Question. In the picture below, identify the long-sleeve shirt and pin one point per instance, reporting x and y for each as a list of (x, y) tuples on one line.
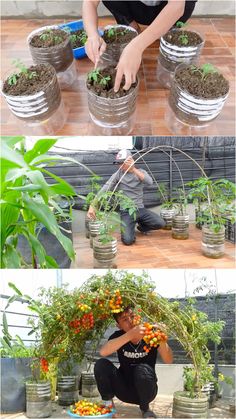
[(130, 185)]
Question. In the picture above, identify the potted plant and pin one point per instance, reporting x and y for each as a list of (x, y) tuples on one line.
[(168, 207), (51, 44), (178, 45), (69, 372), (16, 361), (197, 94), (38, 399), (30, 202), (32, 93), (180, 221), (215, 197), (108, 221), (109, 109), (116, 38)]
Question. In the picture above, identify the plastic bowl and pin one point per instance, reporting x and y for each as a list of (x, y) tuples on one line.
[(107, 415), (75, 26)]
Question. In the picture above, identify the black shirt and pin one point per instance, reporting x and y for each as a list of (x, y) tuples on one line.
[(130, 355)]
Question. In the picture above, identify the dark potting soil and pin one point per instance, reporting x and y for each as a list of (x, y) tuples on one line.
[(108, 89), (120, 36), (210, 86), (77, 38), (49, 38), (174, 37), (29, 86)]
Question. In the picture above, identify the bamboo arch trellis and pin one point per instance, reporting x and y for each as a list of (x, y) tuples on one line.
[(176, 149)]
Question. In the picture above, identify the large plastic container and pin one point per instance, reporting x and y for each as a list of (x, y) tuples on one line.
[(113, 51)]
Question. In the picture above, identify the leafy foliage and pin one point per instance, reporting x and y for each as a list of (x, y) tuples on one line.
[(97, 77), (29, 202), (13, 78)]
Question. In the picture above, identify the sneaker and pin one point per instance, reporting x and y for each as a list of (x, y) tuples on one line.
[(148, 414)]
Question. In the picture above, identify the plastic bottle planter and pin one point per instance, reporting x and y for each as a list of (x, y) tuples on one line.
[(213, 244), (167, 215), (114, 50), (190, 109), (59, 56), (89, 386), (180, 227), (185, 407), (104, 254), (38, 400), (67, 390), (94, 228), (118, 115), (39, 106), (209, 390), (170, 56)]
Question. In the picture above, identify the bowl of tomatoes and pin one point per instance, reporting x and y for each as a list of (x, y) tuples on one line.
[(87, 409)]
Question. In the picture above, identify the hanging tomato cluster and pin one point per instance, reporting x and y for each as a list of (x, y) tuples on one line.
[(44, 365), (86, 322), (115, 302), (153, 337), (86, 408)]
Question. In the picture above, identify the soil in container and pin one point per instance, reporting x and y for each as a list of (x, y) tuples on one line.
[(200, 83), (101, 83), (51, 45), (29, 81), (182, 38), (33, 93), (119, 35), (197, 94), (49, 38), (78, 38)]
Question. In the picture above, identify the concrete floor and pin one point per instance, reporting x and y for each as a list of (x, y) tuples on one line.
[(162, 406)]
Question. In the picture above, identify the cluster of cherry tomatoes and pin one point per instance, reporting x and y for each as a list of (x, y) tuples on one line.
[(44, 364), (153, 337), (115, 302), (85, 323), (86, 408)]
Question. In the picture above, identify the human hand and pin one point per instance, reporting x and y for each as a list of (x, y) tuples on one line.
[(128, 65), (136, 333), (128, 164), (91, 213), (95, 47)]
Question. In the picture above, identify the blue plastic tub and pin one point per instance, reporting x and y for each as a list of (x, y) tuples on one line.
[(75, 26)]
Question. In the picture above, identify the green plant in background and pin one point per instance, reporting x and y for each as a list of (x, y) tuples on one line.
[(214, 199), (106, 205), (13, 78), (29, 202), (167, 201), (95, 187), (97, 77), (13, 347), (181, 24), (181, 201)]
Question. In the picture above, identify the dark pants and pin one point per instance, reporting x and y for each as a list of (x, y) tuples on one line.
[(126, 11), (146, 219), (140, 388)]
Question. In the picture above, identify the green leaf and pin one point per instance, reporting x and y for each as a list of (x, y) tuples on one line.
[(10, 258), (11, 300), (31, 332), (14, 174), (39, 148), (26, 188), (12, 286), (11, 141), (51, 263), (57, 158), (63, 187), (13, 156), (4, 324), (43, 214)]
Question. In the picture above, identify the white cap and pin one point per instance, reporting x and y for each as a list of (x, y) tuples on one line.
[(122, 155)]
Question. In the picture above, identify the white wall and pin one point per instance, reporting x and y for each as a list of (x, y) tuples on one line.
[(67, 8)]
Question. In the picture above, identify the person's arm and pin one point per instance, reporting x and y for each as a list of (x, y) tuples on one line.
[(95, 45), (166, 353), (141, 174), (134, 334), (131, 57)]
